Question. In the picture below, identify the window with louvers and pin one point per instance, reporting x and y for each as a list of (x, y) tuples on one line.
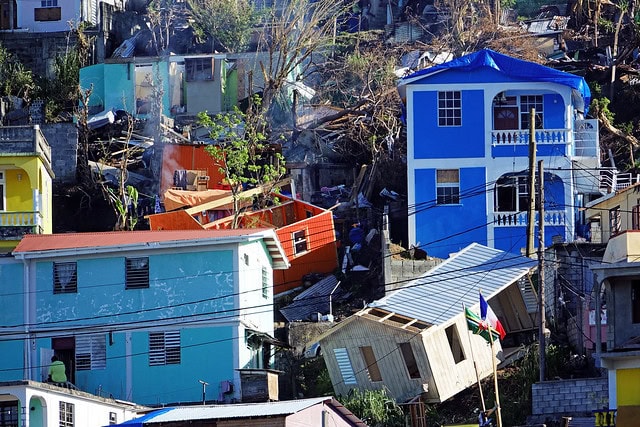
[(91, 352), (137, 273), (65, 278), (164, 348)]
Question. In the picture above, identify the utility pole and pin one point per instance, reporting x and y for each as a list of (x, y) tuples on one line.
[(532, 181), (542, 329)]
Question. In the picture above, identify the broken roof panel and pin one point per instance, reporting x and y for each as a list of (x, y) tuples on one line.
[(439, 295), (313, 300)]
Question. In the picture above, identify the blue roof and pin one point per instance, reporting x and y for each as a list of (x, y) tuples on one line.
[(439, 294), (139, 422), (513, 67)]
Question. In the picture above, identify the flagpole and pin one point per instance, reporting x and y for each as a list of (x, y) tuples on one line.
[(495, 381), (475, 365)]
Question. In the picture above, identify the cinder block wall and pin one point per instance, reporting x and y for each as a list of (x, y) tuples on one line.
[(63, 140), (578, 397)]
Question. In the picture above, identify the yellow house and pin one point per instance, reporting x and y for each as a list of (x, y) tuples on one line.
[(618, 277), (25, 184), (614, 213)]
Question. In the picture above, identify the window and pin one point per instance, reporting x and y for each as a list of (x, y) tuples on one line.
[(9, 414), (66, 414), (615, 223), (344, 364), (265, 282), (512, 194), (48, 3), (137, 273), (198, 69), (91, 352), (449, 108), (447, 186), (65, 278), (635, 301), (2, 183), (635, 216), (527, 102), (164, 348), (371, 364), (454, 343), (299, 242), (409, 360), (113, 418)]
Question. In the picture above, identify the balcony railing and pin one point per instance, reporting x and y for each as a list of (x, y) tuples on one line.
[(521, 136), (519, 219), (14, 225)]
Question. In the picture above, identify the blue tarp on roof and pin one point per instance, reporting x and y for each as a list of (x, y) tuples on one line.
[(513, 67), (139, 422)]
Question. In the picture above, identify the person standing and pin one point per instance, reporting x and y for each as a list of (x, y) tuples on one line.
[(57, 370)]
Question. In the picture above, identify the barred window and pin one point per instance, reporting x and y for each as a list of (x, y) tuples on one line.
[(65, 278), (137, 273), (449, 108), (91, 352), (66, 414), (164, 348), (299, 242)]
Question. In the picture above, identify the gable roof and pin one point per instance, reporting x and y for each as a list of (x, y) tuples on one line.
[(438, 295), (513, 67), (240, 410), (44, 245)]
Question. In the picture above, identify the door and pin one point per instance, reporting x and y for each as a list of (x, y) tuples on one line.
[(505, 118)]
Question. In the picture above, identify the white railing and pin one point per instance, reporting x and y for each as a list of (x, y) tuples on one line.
[(20, 219), (519, 219), (521, 136)]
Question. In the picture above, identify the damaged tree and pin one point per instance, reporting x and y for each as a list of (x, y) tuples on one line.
[(242, 152)]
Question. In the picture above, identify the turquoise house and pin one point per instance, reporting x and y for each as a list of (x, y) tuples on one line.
[(144, 316), (186, 84)]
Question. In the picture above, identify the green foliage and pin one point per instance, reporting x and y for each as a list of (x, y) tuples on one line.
[(242, 153), (125, 204), (606, 25), (602, 105), (15, 79), (228, 22), (374, 407)]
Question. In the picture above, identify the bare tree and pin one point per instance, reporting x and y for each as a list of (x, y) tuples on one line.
[(292, 34), (161, 16)]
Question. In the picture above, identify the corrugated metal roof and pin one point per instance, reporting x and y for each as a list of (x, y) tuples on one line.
[(34, 245), (315, 299), (239, 410), (439, 294)]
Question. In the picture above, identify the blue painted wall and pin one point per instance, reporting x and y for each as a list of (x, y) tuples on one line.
[(436, 142), (11, 314), (443, 229)]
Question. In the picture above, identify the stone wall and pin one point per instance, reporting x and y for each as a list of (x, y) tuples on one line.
[(37, 51), (63, 140), (577, 398)]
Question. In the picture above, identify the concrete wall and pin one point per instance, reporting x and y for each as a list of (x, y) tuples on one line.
[(578, 397), (63, 140)]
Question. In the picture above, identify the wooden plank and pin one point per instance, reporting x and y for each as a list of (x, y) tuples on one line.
[(229, 199)]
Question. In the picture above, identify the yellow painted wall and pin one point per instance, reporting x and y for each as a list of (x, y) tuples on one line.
[(18, 192), (628, 387), (35, 176)]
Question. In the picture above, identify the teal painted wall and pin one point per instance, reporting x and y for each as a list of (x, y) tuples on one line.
[(180, 285)]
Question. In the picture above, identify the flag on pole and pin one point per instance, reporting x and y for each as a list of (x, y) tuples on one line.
[(490, 319), (475, 324)]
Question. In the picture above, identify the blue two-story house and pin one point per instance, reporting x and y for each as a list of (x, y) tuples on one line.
[(145, 316), (468, 124)]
